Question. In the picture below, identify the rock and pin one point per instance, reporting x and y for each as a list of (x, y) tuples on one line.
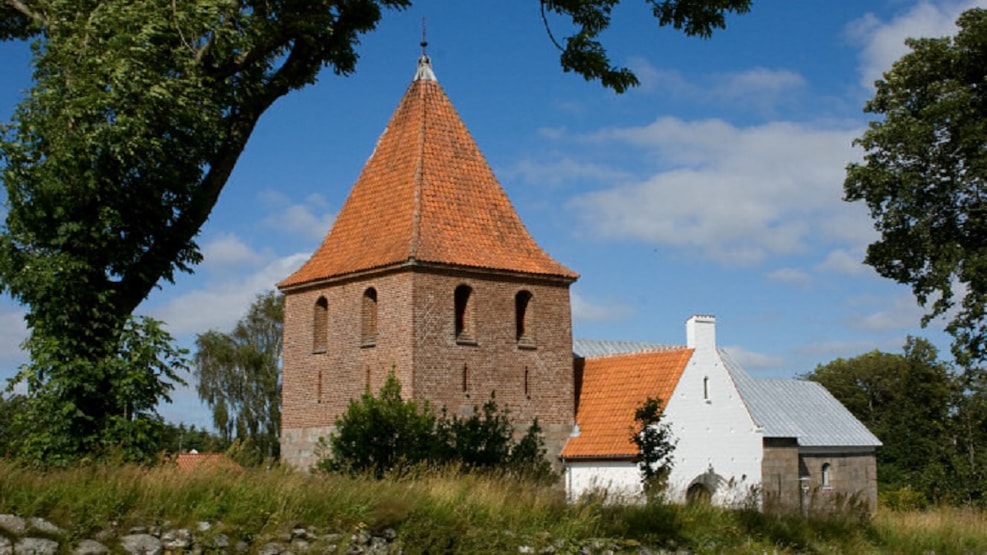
[(141, 544), (203, 526), (300, 545), (13, 524), (174, 540), (525, 549), (271, 548), (35, 546), (221, 542), (389, 534), (90, 547), (42, 525), (6, 547)]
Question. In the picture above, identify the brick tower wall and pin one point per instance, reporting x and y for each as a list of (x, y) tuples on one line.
[(317, 386), (416, 337), (496, 362)]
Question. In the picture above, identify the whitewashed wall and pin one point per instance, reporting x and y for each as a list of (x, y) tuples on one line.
[(618, 481), (718, 442)]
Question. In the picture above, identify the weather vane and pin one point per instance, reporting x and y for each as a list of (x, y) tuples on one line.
[(424, 42)]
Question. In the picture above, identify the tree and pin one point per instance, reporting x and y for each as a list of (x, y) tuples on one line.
[(138, 114), (655, 446), (239, 377), (378, 434), (141, 370), (924, 179), (907, 400)]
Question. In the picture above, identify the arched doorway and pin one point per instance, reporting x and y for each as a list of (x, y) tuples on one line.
[(698, 494)]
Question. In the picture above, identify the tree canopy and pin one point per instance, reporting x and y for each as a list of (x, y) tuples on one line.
[(930, 419), (924, 179), (136, 118), (239, 377)]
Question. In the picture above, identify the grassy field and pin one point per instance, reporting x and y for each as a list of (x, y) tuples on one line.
[(444, 512)]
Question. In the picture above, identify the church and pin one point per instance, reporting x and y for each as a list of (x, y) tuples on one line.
[(428, 272)]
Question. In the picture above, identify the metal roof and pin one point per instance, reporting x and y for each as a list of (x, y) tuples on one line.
[(588, 348), (799, 409)]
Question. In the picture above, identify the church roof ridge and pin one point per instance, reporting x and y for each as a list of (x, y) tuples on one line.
[(426, 195)]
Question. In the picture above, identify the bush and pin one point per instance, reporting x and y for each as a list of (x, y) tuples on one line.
[(385, 434)]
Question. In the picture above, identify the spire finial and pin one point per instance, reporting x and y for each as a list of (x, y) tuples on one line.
[(424, 43), (424, 72)]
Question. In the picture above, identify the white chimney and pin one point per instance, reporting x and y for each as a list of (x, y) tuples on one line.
[(700, 332)]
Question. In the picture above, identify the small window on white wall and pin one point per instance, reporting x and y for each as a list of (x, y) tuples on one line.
[(706, 389), (826, 476)]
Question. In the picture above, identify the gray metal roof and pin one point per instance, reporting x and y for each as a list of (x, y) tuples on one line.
[(799, 409), (588, 348)]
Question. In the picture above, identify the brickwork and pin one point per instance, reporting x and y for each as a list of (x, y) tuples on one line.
[(416, 338)]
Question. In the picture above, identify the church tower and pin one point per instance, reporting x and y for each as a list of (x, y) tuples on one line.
[(427, 272)]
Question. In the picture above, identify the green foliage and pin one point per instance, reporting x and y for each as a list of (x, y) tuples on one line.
[(583, 52), (930, 419), (385, 434), (57, 424), (137, 116), (378, 434), (239, 377), (924, 176), (655, 446), (181, 438), (447, 512)]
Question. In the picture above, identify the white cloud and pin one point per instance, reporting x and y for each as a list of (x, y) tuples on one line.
[(310, 219), (584, 310), (737, 194), (219, 305), (563, 170), (228, 250), (13, 332), (758, 88), (842, 261), (791, 276), (751, 360), (902, 313), (884, 42)]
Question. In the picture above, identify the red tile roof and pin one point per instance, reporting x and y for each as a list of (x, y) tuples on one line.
[(213, 461), (426, 195), (613, 387)]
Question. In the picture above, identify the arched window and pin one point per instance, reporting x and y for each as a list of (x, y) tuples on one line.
[(523, 319), (826, 475), (465, 332), (320, 326), (368, 326)]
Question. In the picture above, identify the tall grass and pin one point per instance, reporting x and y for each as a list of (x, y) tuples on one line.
[(449, 513)]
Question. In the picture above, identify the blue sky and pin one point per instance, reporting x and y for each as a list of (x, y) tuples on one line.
[(715, 187)]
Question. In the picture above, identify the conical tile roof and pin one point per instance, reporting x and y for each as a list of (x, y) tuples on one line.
[(426, 195)]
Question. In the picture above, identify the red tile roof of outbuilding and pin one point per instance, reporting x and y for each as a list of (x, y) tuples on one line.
[(613, 387), (426, 195)]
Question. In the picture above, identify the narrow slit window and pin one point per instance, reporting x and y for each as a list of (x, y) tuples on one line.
[(464, 317), (466, 380), (318, 389), (368, 326), (320, 326), (706, 388), (524, 332), (527, 386)]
